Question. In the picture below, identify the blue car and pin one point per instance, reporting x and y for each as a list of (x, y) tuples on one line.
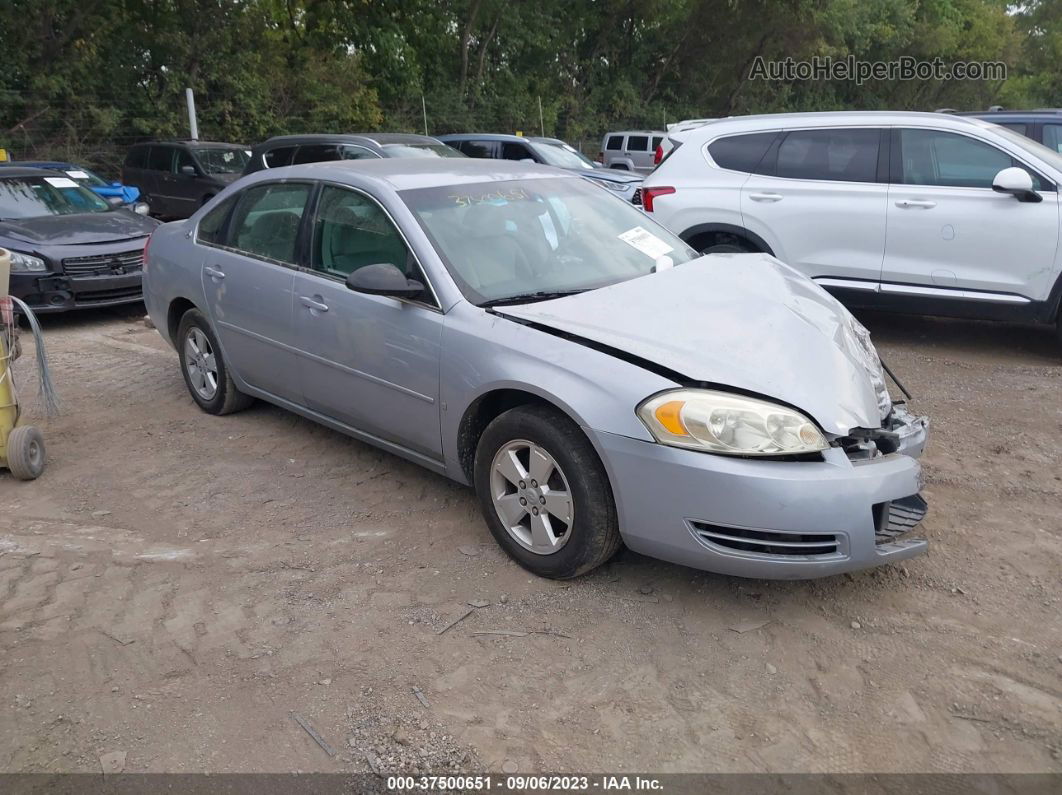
[(126, 195)]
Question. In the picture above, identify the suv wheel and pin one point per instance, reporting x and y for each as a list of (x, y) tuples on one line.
[(544, 493), (205, 372)]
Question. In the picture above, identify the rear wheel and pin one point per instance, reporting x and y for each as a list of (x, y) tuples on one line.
[(204, 368), (544, 493)]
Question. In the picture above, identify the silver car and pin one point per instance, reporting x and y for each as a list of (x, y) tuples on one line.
[(518, 329)]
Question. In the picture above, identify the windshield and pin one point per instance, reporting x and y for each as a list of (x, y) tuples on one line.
[(504, 240), (83, 177), (558, 155), (33, 197), (223, 160), (421, 150)]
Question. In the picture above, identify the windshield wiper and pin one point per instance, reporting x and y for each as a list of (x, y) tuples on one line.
[(527, 298)]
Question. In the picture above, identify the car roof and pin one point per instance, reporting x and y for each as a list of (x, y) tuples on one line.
[(770, 121), (637, 132), (1011, 114), (483, 137), (48, 164), (403, 173), (24, 171), (189, 142), (380, 139)]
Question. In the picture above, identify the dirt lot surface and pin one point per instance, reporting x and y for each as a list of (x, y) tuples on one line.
[(177, 588)]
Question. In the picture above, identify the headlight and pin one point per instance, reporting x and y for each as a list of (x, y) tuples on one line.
[(141, 208), (619, 187), (24, 263), (858, 341), (719, 422)]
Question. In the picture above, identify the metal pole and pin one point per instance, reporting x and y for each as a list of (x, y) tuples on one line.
[(541, 123), (424, 110), (193, 127)]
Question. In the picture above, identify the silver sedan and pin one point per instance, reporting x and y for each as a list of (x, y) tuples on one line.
[(525, 332)]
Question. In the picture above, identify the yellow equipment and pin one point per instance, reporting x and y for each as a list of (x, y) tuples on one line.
[(21, 446)]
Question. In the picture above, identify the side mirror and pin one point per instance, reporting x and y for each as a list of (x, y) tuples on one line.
[(383, 278), (189, 171), (1018, 183)]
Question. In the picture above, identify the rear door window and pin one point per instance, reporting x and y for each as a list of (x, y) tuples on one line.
[(638, 143), (516, 151), (614, 143), (281, 156), (267, 219), (1020, 129), (481, 149), (843, 155), (351, 152), (741, 152), (316, 153), (160, 158), (1053, 137)]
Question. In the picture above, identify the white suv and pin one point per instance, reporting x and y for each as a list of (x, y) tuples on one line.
[(916, 212)]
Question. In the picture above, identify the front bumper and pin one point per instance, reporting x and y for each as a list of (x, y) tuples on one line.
[(57, 292), (767, 519)]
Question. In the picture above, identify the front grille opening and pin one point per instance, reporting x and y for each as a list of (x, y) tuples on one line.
[(105, 264), (896, 518), (98, 296), (767, 542)]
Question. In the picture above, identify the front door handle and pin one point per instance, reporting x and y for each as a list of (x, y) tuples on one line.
[(765, 197), (920, 204), (314, 304), (214, 273)]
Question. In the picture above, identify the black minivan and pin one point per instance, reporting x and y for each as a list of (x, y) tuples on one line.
[(176, 178)]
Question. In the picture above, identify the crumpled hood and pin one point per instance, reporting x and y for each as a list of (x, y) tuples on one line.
[(65, 230), (740, 320)]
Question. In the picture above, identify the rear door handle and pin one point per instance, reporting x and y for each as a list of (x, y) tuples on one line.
[(314, 304), (765, 197), (214, 273), (921, 204)]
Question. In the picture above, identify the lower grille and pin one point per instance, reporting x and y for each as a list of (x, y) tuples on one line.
[(101, 296), (766, 542), (894, 519), (105, 264)]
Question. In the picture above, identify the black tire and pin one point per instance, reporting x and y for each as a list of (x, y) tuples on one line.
[(226, 398), (594, 531), (25, 452), (726, 248)]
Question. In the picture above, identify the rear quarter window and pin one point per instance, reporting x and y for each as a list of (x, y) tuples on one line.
[(137, 157), (741, 152)]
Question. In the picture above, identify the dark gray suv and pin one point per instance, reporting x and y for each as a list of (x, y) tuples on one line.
[(288, 150), (176, 178)]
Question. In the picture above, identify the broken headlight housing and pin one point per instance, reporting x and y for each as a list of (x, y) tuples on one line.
[(857, 340), (721, 422)]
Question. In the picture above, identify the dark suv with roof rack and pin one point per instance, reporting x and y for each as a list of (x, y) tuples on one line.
[(289, 150), (1043, 125)]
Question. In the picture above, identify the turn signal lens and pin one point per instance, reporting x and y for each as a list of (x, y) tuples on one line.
[(669, 415)]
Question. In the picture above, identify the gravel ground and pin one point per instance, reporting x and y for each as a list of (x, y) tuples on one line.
[(181, 592)]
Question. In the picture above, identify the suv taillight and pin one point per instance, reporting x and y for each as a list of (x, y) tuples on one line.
[(658, 155), (648, 194)]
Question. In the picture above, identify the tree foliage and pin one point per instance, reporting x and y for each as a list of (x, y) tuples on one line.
[(84, 78)]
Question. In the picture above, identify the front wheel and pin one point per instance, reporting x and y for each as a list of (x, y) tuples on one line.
[(25, 452), (544, 493), (205, 371)]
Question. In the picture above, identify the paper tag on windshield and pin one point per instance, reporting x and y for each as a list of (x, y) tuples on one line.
[(60, 182), (77, 175), (645, 241)]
